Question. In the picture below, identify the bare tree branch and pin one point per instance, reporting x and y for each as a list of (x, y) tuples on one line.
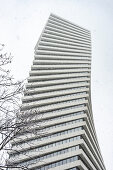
[(13, 122)]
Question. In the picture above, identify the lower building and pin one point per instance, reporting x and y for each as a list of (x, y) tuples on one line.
[(56, 108)]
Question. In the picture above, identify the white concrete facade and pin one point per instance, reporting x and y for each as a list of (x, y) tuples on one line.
[(59, 87)]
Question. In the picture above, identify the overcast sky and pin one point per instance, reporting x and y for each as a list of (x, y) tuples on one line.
[(21, 23)]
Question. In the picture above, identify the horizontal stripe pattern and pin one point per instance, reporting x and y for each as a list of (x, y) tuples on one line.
[(59, 88)]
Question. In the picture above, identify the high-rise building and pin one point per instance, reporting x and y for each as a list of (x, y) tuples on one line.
[(57, 104)]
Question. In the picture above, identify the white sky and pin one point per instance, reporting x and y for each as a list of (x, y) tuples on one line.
[(21, 23)]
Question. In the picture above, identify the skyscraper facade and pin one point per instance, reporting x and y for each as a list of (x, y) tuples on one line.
[(57, 104)]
